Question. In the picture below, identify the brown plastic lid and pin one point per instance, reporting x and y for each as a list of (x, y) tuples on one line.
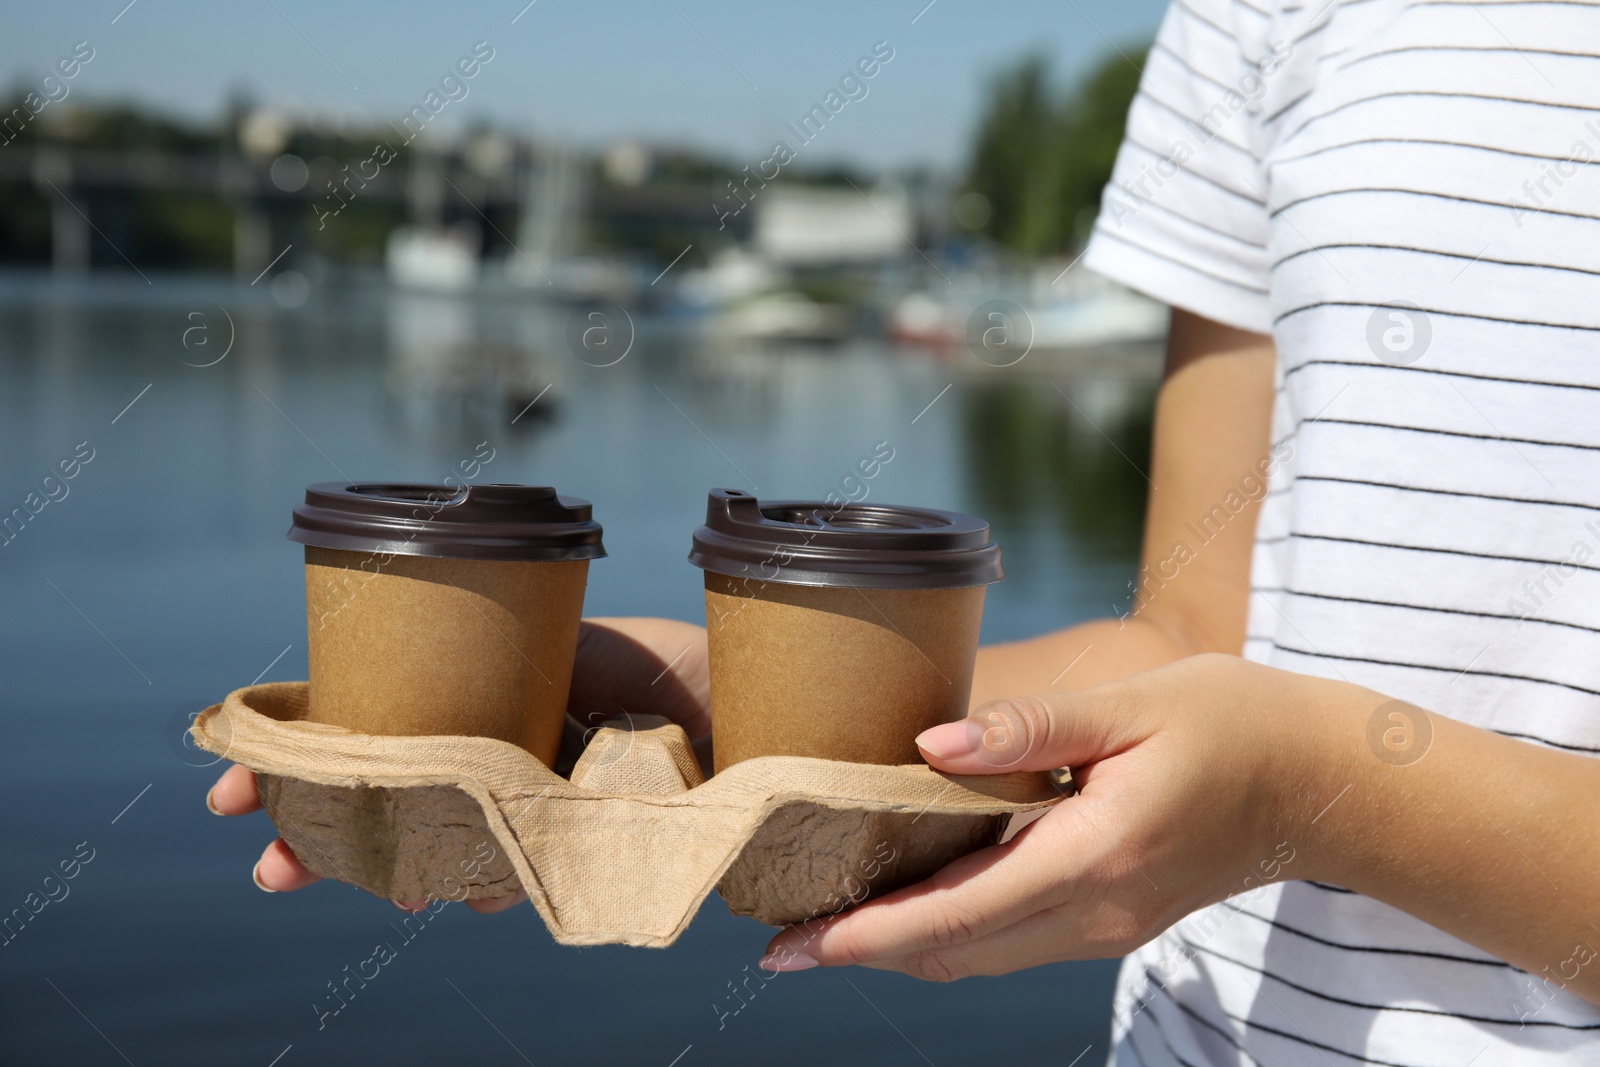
[(871, 546), (496, 522)]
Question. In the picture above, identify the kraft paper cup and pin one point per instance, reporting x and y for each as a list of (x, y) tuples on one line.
[(432, 612), (838, 631)]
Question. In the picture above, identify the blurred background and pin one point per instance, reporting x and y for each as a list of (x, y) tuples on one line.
[(631, 249)]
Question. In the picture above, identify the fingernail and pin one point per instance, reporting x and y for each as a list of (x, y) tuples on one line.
[(781, 961), (952, 739), (255, 876), (410, 906), (211, 805)]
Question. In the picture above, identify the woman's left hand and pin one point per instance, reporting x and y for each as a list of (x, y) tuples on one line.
[(1196, 781), (651, 666)]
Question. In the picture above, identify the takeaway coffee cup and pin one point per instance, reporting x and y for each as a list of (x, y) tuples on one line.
[(839, 631), (433, 610)]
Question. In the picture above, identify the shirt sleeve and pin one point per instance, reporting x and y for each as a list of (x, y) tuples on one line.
[(1184, 218)]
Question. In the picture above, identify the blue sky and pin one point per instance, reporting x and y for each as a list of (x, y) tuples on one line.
[(717, 74)]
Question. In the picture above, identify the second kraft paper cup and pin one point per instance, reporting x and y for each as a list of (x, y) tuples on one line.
[(838, 631)]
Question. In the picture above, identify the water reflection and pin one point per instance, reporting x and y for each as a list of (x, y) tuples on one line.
[(1074, 455), (473, 366)]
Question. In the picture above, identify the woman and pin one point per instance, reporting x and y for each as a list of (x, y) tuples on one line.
[(1361, 691)]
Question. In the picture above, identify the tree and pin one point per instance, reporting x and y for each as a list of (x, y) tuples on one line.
[(1011, 161), (1090, 134), (1042, 160)]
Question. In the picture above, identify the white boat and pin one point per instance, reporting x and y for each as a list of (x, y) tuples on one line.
[(438, 260), (1080, 310)]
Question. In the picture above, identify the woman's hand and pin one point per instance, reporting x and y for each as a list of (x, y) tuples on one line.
[(1196, 782), (641, 666)]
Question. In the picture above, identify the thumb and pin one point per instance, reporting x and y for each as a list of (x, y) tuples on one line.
[(1035, 733)]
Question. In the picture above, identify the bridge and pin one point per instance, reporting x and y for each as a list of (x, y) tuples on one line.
[(534, 201)]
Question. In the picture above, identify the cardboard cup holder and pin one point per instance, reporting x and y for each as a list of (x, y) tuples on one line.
[(625, 847)]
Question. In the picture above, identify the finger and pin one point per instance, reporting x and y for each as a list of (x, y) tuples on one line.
[(1037, 733), (969, 899), (495, 905), (235, 792), (278, 871)]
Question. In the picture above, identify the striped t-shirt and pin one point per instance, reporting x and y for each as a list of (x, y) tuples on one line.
[(1406, 196)]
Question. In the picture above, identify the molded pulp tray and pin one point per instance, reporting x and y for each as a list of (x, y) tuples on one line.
[(625, 848)]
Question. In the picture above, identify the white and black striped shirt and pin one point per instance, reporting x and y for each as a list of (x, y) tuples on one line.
[(1406, 195)]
